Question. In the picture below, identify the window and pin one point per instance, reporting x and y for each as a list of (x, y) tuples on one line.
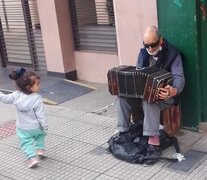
[(93, 25)]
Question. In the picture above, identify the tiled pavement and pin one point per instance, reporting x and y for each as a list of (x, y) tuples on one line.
[(76, 141)]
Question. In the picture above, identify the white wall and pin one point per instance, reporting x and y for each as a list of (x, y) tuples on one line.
[(132, 17)]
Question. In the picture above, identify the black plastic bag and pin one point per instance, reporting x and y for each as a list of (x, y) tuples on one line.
[(131, 146), (129, 136), (131, 152), (125, 146)]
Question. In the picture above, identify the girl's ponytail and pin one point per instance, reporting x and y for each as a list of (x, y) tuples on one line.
[(17, 74)]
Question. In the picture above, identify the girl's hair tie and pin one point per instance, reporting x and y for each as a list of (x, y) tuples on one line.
[(17, 74)]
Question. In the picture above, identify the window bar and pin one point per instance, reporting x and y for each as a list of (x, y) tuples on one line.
[(3, 51), (74, 20), (30, 34), (5, 15)]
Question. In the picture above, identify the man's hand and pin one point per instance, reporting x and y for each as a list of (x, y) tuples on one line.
[(167, 92)]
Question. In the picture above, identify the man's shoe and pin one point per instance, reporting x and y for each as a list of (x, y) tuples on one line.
[(33, 162), (153, 155)]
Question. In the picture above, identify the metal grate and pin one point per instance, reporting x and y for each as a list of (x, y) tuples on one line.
[(192, 159), (22, 33), (93, 25)]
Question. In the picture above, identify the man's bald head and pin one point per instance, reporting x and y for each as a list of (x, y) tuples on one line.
[(151, 34)]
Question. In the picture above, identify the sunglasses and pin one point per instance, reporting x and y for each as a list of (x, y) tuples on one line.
[(152, 45)]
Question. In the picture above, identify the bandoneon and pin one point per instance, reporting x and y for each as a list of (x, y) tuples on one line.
[(142, 83)]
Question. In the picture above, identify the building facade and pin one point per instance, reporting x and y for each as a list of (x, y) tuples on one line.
[(62, 57), (83, 39)]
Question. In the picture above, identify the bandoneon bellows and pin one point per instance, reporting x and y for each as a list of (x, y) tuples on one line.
[(142, 83)]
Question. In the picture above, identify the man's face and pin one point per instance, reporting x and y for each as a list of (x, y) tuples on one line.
[(152, 43)]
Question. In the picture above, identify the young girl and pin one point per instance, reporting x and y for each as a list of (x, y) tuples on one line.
[(31, 124)]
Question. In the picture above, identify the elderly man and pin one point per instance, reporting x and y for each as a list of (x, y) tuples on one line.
[(159, 53)]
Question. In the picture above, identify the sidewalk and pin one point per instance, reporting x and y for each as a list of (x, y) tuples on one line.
[(76, 142)]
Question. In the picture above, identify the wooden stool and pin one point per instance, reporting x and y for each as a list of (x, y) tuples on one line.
[(170, 118)]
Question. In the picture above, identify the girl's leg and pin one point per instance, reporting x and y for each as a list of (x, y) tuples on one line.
[(26, 142), (40, 139)]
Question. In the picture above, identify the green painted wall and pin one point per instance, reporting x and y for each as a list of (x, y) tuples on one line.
[(177, 21), (202, 41)]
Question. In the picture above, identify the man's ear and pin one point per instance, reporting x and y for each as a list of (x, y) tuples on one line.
[(161, 40)]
